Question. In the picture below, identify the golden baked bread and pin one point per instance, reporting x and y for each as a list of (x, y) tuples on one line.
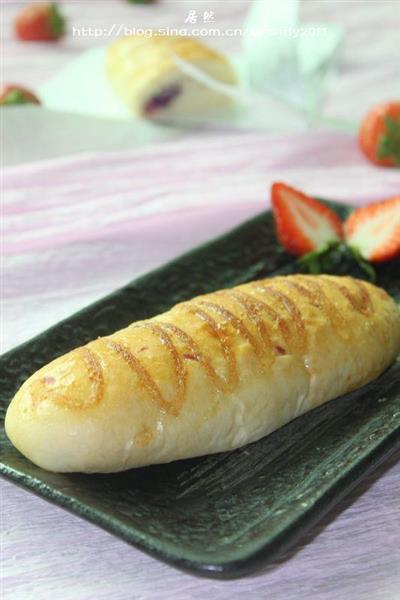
[(211, 374), (143, 73)]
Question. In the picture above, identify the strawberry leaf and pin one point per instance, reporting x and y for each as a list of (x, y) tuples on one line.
[(322, 259), (336, 257), (362, 263), (57, 21), (16, 97), (389, 143)]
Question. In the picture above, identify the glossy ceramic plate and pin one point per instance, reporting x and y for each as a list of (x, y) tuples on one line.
[(223, 515)]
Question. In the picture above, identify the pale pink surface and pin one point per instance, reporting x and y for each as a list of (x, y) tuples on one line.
[(76, 228)]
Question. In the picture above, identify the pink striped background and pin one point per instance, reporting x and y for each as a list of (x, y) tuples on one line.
[(75, 228)]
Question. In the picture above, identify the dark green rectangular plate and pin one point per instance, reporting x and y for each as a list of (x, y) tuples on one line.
[(223, 515)]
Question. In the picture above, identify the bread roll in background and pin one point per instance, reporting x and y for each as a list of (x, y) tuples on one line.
[(144, 75), (210, 375)]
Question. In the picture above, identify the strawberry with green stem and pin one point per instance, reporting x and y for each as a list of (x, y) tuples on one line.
[(306, 228), (15, 94), (312, 231), (40, 23), (379, 135)]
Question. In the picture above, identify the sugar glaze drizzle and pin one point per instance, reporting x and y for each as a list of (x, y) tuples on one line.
[(267, 329)]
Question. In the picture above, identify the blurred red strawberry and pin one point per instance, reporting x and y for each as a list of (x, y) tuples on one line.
[(40, 22), (15, 94), (379, 135)]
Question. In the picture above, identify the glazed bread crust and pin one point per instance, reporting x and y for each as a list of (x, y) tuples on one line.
[(139, 68), (210, 375)]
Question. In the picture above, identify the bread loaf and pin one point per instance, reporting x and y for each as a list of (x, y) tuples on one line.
[(144, 74), (209, 375)]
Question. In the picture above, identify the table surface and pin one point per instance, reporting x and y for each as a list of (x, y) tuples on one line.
[(77, 227)]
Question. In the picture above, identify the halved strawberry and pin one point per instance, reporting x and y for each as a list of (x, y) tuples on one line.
[(374, 230), (303, 224)]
